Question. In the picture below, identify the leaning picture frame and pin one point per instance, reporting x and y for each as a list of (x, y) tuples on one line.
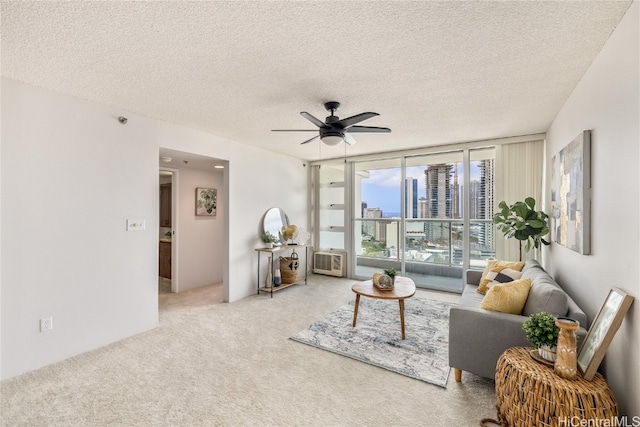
[(602, 330)]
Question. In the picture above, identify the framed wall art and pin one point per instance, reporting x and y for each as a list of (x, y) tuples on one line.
[(571, 195), (206, 201), (601, 332)]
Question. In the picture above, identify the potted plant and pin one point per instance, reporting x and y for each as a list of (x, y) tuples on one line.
[(522, 221), (269, 239), (542, 332), (391, 273)]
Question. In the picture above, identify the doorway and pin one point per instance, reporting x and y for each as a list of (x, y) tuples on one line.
[(199, 243), (167, 265)]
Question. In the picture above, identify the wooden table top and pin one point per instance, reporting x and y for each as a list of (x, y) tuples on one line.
[(403, 288)]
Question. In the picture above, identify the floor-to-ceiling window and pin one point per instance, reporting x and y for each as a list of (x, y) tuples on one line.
[(377, 216), (433, 232), (428, 216)]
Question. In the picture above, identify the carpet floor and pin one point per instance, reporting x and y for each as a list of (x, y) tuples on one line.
[(376, 339), (214, 364)]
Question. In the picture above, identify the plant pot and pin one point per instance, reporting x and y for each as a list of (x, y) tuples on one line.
[(269, 245), (547, 353)]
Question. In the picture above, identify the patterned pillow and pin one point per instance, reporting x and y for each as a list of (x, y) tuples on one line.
[(496, 266), (507, 297), (498, 275)]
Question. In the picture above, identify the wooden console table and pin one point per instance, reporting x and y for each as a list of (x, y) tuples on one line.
[(275, 250), (530, 394)]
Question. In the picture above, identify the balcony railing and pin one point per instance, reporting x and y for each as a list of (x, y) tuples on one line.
[(433, 249)]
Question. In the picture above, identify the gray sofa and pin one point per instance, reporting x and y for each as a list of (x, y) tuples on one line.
[(478, 337)]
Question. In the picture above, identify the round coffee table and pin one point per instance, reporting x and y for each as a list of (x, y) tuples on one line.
[(403, 288)]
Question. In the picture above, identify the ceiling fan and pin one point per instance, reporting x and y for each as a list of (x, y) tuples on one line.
[(333, 130)]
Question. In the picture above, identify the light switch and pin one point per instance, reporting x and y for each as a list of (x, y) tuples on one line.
[(135, 224)]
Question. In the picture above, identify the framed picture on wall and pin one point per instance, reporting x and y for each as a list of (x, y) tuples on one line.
[(571, 195), (206, 201), (601, 332)]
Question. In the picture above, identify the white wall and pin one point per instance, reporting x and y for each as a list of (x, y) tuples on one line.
[(202, 246), (607, 102), (71, 175)]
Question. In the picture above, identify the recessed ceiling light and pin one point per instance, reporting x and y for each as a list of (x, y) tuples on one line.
[(219, 167), (166, 159)]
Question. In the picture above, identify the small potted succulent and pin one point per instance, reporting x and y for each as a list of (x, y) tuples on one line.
[(391, 273), (269, 239), (542, 332)]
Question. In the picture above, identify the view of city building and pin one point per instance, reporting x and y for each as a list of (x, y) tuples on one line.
[(369, 228), (443, 194), (411, 197), (434, 219), (439, 191)]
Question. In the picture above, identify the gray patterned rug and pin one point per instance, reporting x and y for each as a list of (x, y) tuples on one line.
[(377, 340)]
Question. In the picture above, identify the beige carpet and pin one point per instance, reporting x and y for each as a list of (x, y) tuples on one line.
[(210, 363), (164, 285)]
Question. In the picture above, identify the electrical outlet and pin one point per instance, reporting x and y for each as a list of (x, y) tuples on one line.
[(46, 324)]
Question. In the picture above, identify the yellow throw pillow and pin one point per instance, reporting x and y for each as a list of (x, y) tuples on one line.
[(496, 266), (507, 297)]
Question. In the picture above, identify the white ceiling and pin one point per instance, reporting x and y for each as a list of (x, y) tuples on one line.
[(437, 72)]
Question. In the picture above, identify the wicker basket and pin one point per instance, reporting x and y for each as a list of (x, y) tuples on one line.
[(289, 268), (531, 394)]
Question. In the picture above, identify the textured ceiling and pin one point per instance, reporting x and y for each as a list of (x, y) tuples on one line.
[(437, 72)]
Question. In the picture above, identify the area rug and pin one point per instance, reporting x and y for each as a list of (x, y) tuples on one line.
[(376, 339)]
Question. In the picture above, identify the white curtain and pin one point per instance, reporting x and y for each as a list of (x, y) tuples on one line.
[(518, 175)]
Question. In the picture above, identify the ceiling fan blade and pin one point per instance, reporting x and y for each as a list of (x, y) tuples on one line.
[(371, 129), (309, 140), (349, 139), (294, 130), (350, 121), (312, 119)]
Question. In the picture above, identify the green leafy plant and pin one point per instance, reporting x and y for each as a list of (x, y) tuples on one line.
[(391, 273), (521, 221), (269, 238), (540, 329)]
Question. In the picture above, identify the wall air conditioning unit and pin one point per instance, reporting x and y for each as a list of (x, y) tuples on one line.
[(329, 263)]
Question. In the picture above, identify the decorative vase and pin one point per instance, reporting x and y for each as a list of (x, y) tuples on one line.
[(382, 281), (547, 353), (270, 245), (268, 282), (277, 279), (566, 365)]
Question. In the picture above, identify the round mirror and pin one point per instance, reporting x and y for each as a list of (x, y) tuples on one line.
[(275, 220)]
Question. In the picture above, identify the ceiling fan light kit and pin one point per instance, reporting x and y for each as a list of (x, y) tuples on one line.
[(332, 139), (333, 130)]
